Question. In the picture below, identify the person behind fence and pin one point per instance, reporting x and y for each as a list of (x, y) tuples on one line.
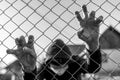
[(60, 64), (26, 56)]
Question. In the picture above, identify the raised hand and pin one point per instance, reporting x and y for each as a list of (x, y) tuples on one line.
[(25, 53), (90, 25)]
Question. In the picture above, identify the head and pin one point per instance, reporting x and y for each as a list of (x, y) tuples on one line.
[(58, 53), (90, 25)]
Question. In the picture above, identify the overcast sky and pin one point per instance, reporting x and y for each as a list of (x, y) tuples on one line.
[(48, 20)]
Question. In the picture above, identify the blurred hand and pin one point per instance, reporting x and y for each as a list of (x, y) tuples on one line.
[(25, 53), (90, 25)]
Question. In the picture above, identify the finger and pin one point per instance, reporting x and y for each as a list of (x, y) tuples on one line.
[(22, 41), (92, 15), (99, 19), (78, 16), (11, 51), (14, 52), (17, 42), (85, 11), (30, 41), (79, 34)]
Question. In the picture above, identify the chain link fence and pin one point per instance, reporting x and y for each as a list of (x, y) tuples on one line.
[(48, 20)]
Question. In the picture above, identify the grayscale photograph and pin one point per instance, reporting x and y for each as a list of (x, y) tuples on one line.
[(59, 39)]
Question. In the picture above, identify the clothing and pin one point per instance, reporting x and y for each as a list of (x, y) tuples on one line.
[(59, 57), (76, 66), (31, 75)]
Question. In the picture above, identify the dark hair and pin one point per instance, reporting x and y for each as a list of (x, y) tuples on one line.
[(59, 51)]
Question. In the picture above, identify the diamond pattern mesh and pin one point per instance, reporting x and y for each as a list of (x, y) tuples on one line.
[(48, 20)]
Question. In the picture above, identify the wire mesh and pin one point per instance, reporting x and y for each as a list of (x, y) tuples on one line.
[(48, 20)]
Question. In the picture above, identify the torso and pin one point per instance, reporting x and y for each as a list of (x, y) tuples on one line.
[(72, 73)]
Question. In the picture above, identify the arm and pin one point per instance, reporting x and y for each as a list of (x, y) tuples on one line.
[(90, 34), (95, 60), (83, 65), (31, 75)]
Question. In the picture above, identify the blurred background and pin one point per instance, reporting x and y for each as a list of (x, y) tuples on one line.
[(48, 20)]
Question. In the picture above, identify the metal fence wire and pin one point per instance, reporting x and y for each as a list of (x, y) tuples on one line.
[(48, 20)]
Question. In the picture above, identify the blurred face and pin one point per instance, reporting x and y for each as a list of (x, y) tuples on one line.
[(59, 70), (58, 65)]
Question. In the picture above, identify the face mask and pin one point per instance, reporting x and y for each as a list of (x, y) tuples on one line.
[(58, 70)]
